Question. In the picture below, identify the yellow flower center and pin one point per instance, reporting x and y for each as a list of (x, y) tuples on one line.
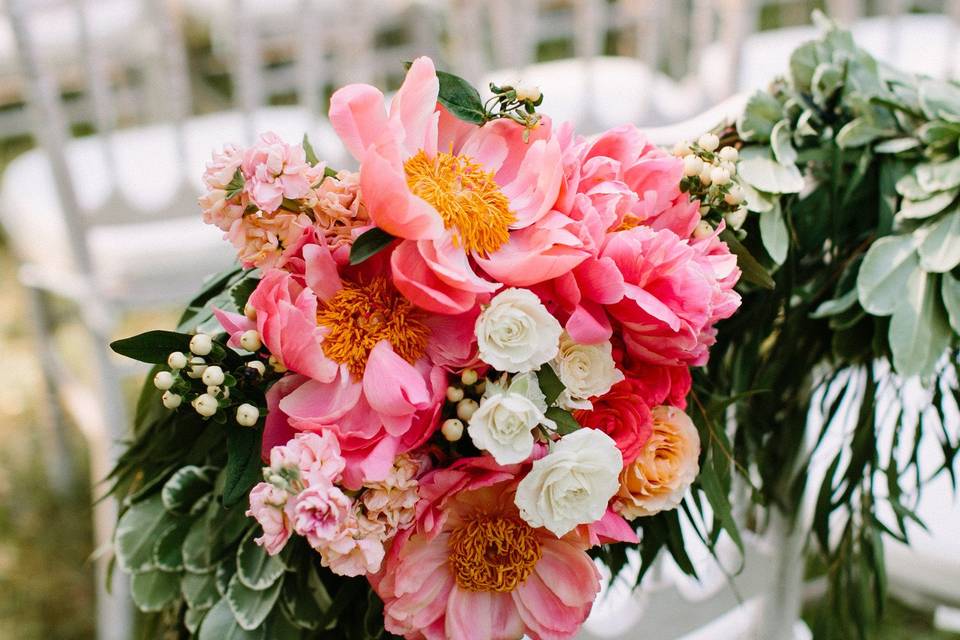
[(493, 553), (629, 221), (466, 197), (361, 315)]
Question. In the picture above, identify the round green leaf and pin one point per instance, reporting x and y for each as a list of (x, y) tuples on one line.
[(186, 487), (940, 249), (192, 619), (196, 548), (917, 209), (774, 234), (919, 333), (782, 144), (154, 590), (950, 290), (219, 624), (200, 589), (769, 176), (137, 532), (888, 265), (168, 548), (251, 606), (256, 569)]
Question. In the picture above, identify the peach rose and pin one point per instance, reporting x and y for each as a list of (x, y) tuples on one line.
[(666, 466)]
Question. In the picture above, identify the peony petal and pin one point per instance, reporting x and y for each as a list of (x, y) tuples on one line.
[(392, 386), (536, 186), (358, 116), (322, 403), (321, 271), (235, 324), (418, 283), (589, 324), (413, 110), (571, 574)]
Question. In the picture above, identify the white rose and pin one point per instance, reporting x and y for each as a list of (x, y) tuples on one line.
[(572, 484), (516, 333), (503, 424), (586, 370)]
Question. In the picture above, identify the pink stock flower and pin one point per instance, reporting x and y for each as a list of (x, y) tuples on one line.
[(267, 506), (473, 569), (461, 197), (391, 502), (217, 209), (315, 457), (356, 550), (274, 170), (338, 210), (319, 512)]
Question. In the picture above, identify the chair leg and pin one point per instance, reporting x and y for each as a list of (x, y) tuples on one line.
[(60, 463)]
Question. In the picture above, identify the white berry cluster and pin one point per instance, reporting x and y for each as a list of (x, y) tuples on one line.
[(462, 400), (710, 176), (195, 376)]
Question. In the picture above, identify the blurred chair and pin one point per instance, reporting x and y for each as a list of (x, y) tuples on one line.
[(110, 221)]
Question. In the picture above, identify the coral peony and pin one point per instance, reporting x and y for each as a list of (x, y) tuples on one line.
[(473, 569), (456, 193)]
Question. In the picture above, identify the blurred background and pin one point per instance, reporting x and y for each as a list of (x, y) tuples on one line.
[(109, 109)]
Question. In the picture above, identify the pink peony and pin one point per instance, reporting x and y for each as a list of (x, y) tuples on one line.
[(464, 199), (672, 296), (472, 568), (319, 512), (267, 506), (274, 170)]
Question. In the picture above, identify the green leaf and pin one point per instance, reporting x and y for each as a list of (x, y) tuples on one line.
[(168, 547), (197, 546), (858, 133), (251, 606), (235, 186), (460, 98), (767, 175), (909, 188), (803, 64), (305, 597), (918, 333), (550, 384), (219, 624), (774, 234), (153, 346), (153, 590), (137, 531), (836, 306), (566, 423), (897, 145), (950, 291), (186, 487), (759, 116), (939, 176), (719, 501), (242, 291), (752, 270), (757, 201), (256, 569), (886, 268), (199, 589), (940, 249), (939, 99), (917, 209), (244, 466), (368, 244), (309, 152), (782, 144)]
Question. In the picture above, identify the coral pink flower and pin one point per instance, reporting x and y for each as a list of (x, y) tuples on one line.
[(274, 170), (623, 415), (460, 196), (318, 512), (473, 569), (672, 296), (267, 506)]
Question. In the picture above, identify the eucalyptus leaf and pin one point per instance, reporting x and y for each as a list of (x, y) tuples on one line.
[(857, 133), (781, 143), (909, 187), (896, 145), (950, 291), (219, 624), (759, 116), (770, 176), (251, 606), (919, 333), (153, 590), (757, 201), (917, 209), (256, 569), (774, 234), (885, 272), (939, 99), (137, 531), (940, 249), (939, 176), (836, 306)]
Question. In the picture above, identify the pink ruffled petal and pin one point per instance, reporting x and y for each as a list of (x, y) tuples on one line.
[(589, 324), (235, 324), (571, 574), (358, 116), (322, 403), (534, 190)]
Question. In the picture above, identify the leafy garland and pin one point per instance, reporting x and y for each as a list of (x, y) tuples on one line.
[(853, 175), (852, 172)]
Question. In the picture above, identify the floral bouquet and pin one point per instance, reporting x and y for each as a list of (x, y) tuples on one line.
[(435, 384)]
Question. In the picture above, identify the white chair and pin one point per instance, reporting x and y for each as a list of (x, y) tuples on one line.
[(110, 222)]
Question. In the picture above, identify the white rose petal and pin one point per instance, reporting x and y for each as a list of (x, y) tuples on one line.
[(586, 371), (572, 484), (516, 333), (503, 424)]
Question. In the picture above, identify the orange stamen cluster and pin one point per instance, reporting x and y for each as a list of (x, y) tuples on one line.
[(466, 197), (361, 315), (493, 553)]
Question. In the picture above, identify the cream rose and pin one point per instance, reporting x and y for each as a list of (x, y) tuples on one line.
[(504, 422), (572, 484), (516, 333), (666, 467), (586, 370)]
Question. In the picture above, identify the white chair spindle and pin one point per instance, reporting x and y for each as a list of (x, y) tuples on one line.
[(247, 59)]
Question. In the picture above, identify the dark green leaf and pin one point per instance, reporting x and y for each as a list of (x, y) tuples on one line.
[(550, 384), (753, 271), (460, 98), (235, 186), (308, 150), (241, 292), (243, 463), (368, 244), (153, 346), (566, 423)]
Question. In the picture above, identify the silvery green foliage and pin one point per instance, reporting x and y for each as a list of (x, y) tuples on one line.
[(851, 170)]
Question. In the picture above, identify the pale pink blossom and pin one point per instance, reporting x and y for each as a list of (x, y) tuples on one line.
[(266, 240), (392, 501), (356, 550), (274, 170), (267, 506), (338, 211), (314, 457), (319, 512), (218, 210)]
